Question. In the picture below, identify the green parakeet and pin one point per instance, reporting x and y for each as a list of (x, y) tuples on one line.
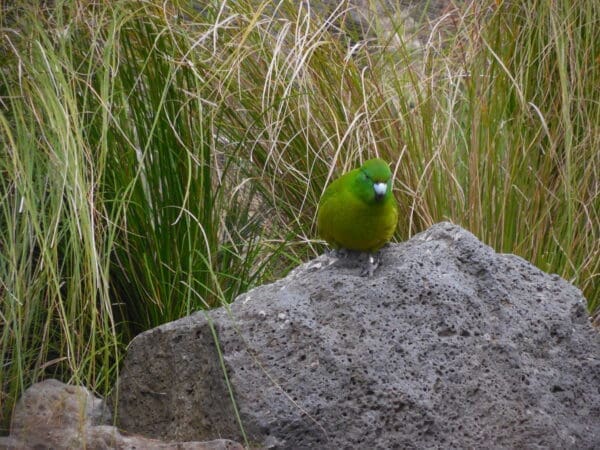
[(358, 211)]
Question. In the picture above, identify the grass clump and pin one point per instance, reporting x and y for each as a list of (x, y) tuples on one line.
[(157, 159)]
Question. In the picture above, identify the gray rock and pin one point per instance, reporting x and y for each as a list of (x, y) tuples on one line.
[(54, 415), (449, 345)]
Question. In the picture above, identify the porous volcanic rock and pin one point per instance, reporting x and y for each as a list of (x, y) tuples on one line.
[(448, 345)]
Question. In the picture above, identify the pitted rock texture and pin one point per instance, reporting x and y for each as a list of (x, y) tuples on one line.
[(449, 345), (54, 415)]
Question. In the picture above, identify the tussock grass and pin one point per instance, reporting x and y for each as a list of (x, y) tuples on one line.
[(158, 159)]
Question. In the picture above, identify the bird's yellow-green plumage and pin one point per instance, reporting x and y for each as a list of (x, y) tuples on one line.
[(358, 211)]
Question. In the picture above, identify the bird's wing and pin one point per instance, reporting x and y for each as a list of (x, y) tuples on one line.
[(338, 186)]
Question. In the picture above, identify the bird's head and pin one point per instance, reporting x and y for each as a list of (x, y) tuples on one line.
[(376, 180)]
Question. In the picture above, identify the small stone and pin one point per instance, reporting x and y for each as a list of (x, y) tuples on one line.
[(51, 414)]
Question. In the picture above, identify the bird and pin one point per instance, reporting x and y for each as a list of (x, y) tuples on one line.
[(358, 210)]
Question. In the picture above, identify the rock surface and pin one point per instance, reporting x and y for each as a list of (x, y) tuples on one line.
[(54, 415), (449, 345)]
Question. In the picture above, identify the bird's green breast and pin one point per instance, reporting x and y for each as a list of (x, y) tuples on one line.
[(349, 217)]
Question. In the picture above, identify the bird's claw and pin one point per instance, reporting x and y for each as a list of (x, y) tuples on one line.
[(338, 253), (372, 265)]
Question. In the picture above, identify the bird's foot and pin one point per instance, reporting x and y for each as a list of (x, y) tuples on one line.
[(372, 265), (339, 253)]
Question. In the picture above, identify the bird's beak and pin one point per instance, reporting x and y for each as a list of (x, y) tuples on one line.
[(380, 189)]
